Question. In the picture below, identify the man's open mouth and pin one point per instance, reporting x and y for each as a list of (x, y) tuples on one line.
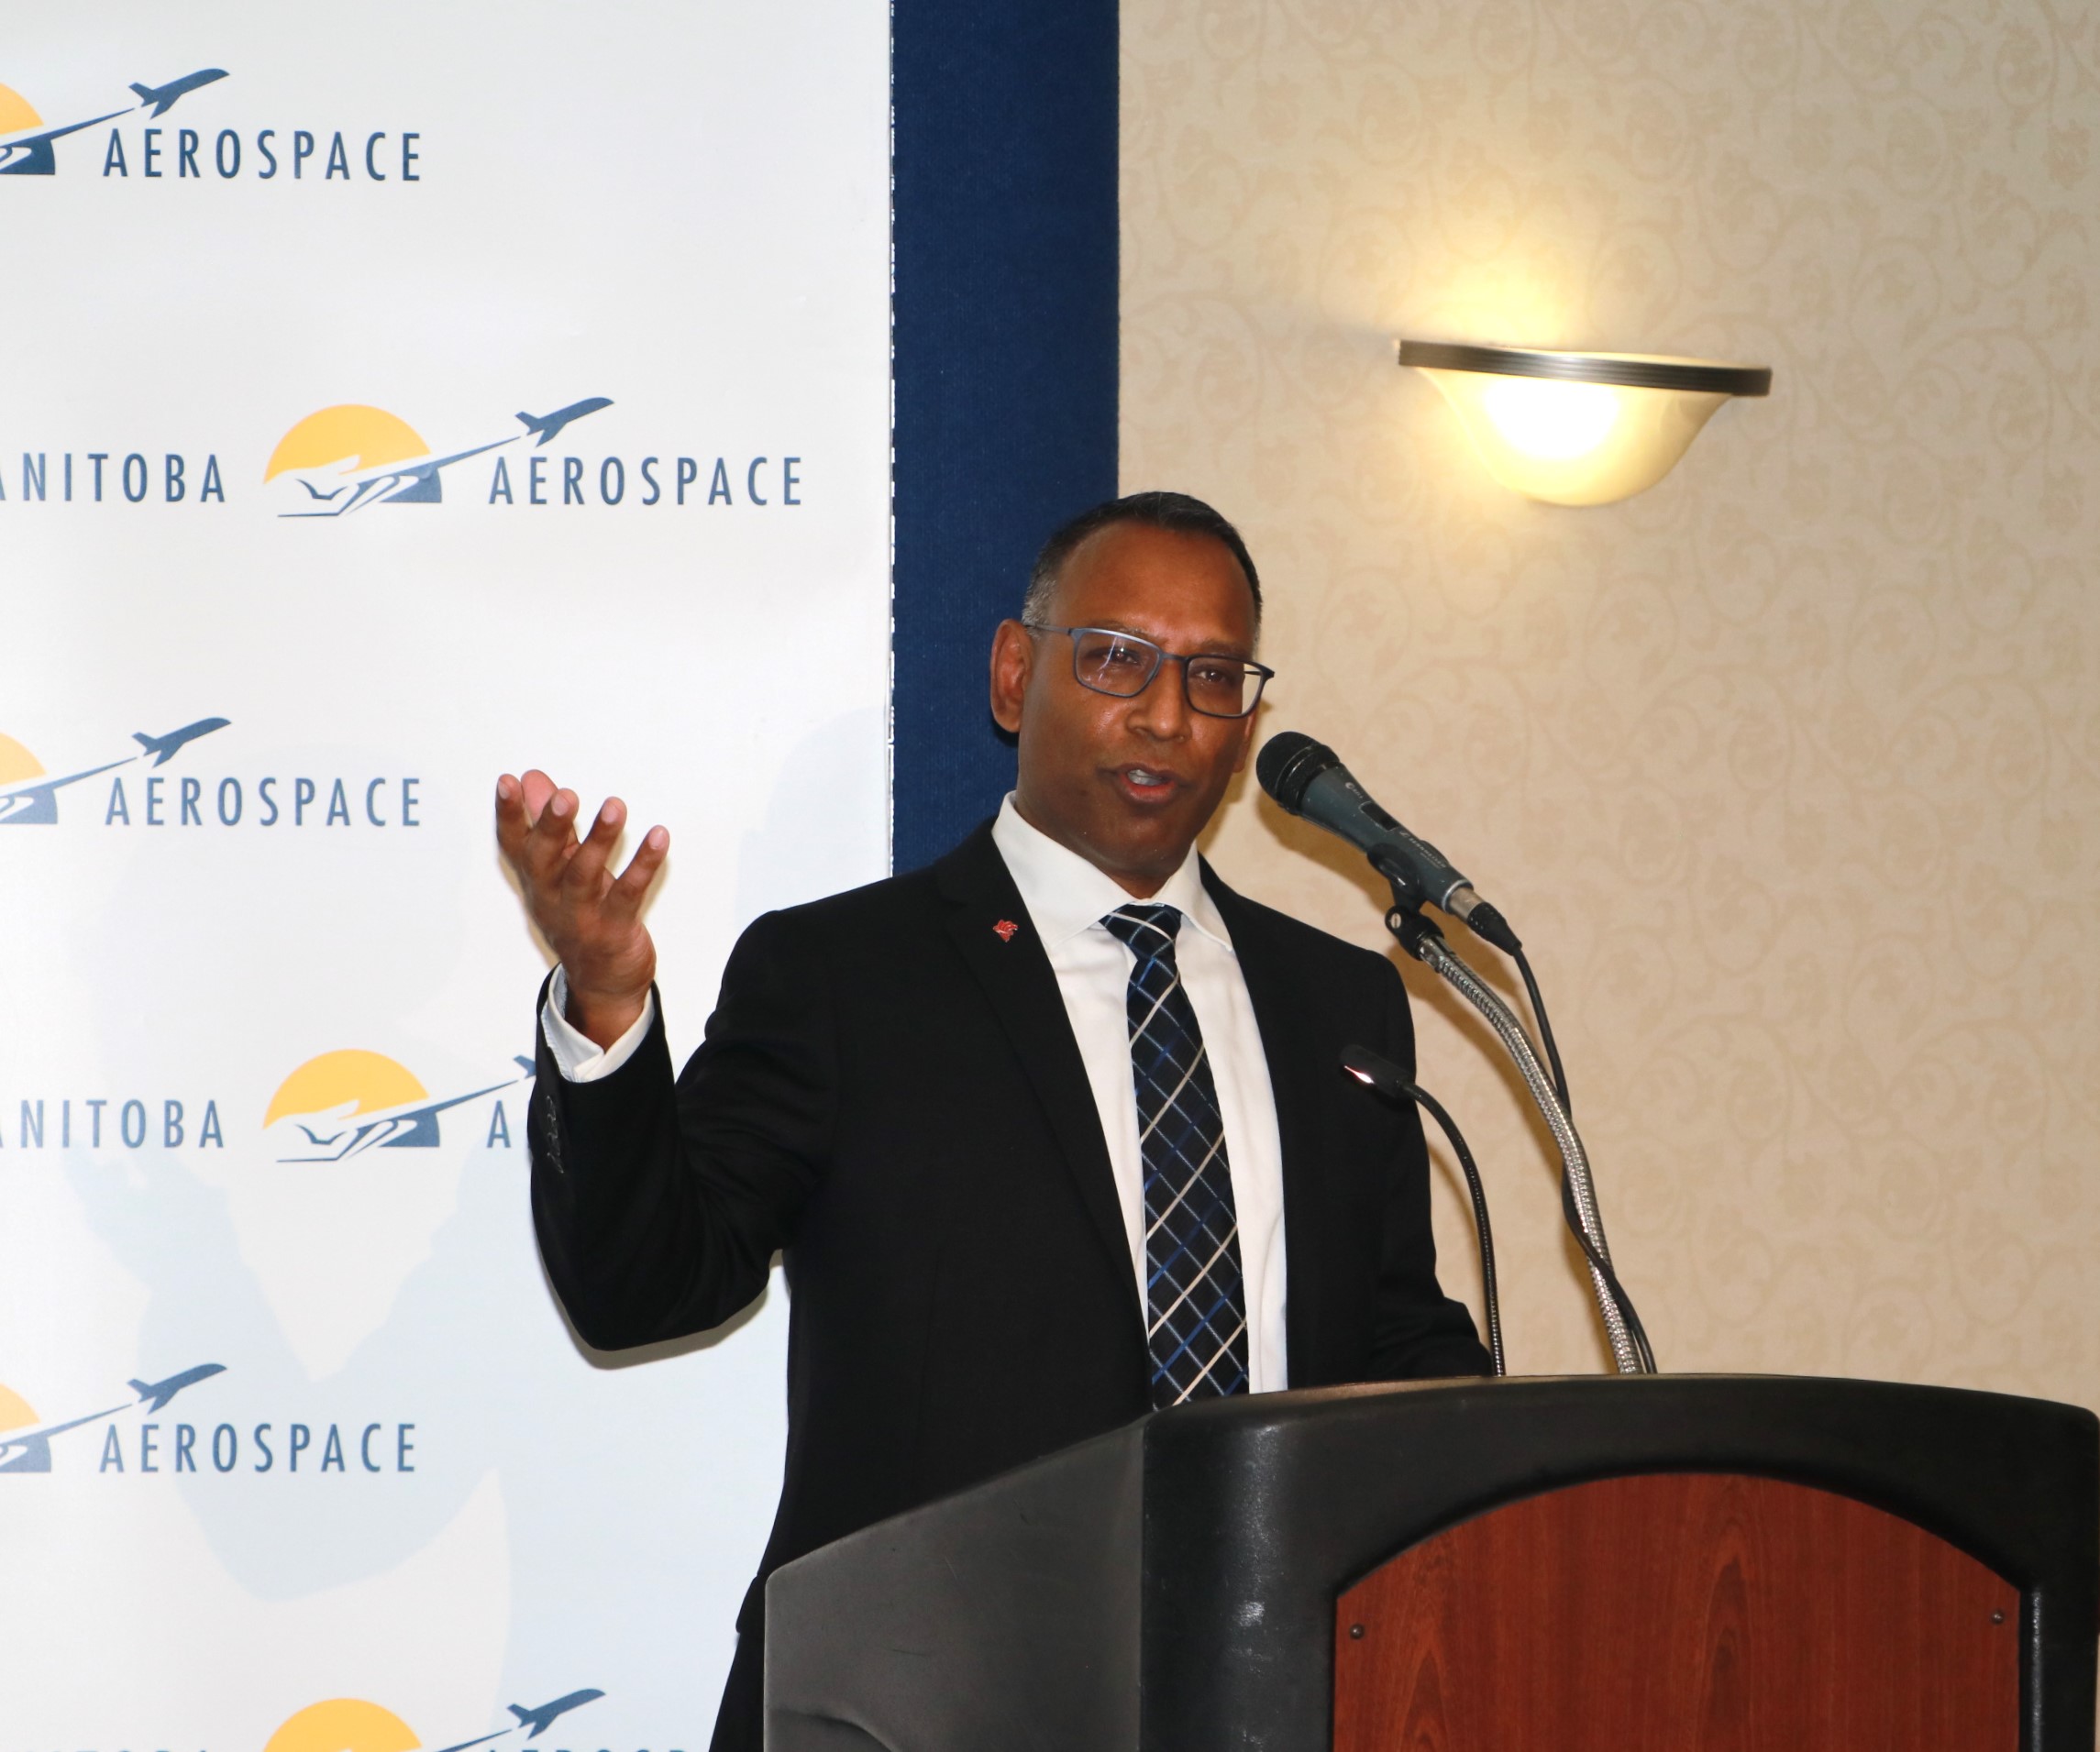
[(1148, 784)]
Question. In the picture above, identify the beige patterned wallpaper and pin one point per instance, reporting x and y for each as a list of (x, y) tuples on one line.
[(1788, 770)]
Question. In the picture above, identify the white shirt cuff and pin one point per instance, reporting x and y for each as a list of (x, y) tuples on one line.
[(576, 1054)]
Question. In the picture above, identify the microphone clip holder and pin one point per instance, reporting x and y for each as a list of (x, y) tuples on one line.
[(1405, 918)]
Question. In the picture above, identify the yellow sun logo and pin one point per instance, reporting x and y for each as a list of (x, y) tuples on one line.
[(351, 436), (15, 760), (344, 1724), (16, 112), (359, 1081), (14, 1410)]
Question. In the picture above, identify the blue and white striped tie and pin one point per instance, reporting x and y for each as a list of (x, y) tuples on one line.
[(1196, 1303)]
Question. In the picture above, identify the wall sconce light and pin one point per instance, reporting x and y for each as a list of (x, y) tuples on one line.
[(1579, 428)]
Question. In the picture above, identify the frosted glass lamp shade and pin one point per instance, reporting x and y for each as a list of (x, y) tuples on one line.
[(1579, 428)]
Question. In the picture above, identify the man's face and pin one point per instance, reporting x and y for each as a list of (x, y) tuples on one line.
[(1128, 784)]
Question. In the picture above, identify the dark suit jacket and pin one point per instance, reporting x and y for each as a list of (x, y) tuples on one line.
[(890, 1095)]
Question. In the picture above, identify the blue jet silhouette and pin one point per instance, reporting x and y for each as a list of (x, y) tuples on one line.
[(536, 1722), (162, 97), (549, 424), (166, 746), (160, 1392)]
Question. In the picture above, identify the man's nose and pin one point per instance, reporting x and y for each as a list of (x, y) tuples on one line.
[(1163, 707)]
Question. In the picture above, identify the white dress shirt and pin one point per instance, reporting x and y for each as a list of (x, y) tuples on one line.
[(1067, 899)]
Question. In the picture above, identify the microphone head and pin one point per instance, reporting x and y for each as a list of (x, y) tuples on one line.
[(1377, 1072), (1288, 763)]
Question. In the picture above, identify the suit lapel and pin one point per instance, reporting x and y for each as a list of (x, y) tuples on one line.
[(1010, 966), (1296, 1061)]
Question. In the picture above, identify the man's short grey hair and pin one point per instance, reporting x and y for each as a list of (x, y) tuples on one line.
[(1171, 511)]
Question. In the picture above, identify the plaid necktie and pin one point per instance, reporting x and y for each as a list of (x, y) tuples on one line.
[(1196, 1305)]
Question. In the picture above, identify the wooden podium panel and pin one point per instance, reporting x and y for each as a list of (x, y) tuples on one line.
[(1680, 1612)]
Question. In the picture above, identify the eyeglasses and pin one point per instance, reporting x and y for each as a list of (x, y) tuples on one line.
[(1122, 664)]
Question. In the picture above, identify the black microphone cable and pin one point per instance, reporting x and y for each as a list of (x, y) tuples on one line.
[(1545, 1029), (1381, 1075), (1602, 1267)]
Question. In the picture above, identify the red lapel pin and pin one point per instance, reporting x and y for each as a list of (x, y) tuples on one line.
[(1006, 928)]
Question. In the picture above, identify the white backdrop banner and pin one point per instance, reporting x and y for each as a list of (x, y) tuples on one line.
[(393, 398)]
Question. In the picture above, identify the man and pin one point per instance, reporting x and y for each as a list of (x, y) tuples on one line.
[(1049, 1134)]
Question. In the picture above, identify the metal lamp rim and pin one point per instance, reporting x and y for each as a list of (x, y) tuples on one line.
[(1623, 370)]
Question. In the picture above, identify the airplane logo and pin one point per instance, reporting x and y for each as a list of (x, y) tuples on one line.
[(167, 746), (154, 1394), (162, 97), (30, 797), (24, 153), (534, 1721), (29, 1449), (537, 1721), (349, 456), (549, 424)]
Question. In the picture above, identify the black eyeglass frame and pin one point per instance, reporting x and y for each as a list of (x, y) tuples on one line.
[(1261, 672)]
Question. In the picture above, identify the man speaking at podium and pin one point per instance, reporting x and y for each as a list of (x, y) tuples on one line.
[(1049, 1134)]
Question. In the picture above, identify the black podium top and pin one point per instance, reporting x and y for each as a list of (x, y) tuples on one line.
[(1172, 1584)]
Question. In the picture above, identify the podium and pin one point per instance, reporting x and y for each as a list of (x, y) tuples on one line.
[(1696, 1563)]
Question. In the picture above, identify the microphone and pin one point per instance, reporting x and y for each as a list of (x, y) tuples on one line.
[(1377, 1072), (1307, 778), (1386, 1078)]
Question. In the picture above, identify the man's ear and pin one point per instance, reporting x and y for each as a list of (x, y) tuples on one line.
[(1012, 656)]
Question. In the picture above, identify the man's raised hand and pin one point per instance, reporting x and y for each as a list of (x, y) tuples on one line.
[(591, 919)]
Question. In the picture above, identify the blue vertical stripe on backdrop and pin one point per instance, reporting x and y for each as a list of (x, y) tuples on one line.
[(1006, 336)]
